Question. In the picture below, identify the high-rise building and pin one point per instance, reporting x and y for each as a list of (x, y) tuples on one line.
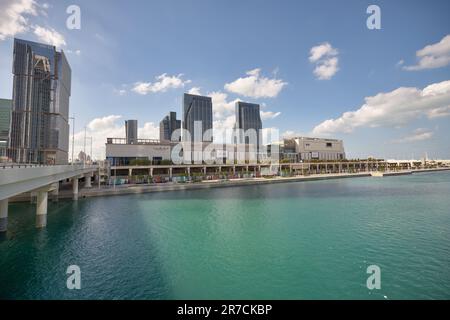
[(197, 109), (167, 126), (40, 104), (5, 120), (248, 117), (131, 131)]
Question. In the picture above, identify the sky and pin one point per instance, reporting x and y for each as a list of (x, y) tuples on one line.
[(315, 67)]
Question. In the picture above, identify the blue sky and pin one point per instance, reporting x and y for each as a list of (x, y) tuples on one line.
[(257, 51)]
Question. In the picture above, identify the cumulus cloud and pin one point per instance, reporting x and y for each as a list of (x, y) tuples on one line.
[(221, 106), (107, 127), (49, 36), (163, 83), (433, 56), (324, 56), (14, 16), (395, 108), (195, 90), (292, 134), (266, 115), (256, 86), (418, 135)]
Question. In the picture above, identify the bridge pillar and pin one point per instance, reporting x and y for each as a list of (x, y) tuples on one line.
[(41, 208), (87, 182), (55, 192), (3, 215), (75, 188)]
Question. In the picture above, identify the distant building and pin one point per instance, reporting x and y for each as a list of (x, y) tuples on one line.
[(167, 126), (248, 117), (304, 149), (131, 131), (40, 104), (5, 120), (197, 109)]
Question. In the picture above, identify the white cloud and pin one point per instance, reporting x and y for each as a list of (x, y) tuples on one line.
[(120, 92), (163, 83), (418, 135), (107, 127), (221, 106), (395, 108), (322, 51), (49, 36), (13, 16), (432, 56), (77, 52), (292, 134), (325, 58), (266, 115), (195, 90), (256, 86)]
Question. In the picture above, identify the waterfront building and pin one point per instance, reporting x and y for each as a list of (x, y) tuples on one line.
[(119, 152), (131, 131), (305, 149), (197, 110), (167, 126), (5, 120), (40, 105)]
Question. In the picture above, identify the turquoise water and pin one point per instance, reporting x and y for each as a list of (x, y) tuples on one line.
[(302, 240)]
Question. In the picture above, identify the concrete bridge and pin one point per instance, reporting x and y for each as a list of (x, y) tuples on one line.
[(20, 178)]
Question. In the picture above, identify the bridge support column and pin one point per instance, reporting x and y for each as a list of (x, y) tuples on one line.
[(3, 215), (55, 192), (75, 188), (87, 182), (41, 209)]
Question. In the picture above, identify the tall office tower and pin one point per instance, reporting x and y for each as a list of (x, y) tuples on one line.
[(40, 107), (131, 131), (248, 117), (167, 126), (197, 109), (5, 119)]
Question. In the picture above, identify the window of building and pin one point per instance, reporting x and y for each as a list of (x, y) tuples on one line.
[(329, 144)]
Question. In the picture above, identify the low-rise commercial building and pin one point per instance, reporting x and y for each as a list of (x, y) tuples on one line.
[(305, 149)]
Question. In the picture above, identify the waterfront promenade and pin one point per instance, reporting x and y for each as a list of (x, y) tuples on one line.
[(221, 183)]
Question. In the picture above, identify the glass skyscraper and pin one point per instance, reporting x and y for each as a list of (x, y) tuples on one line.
[(197, 109), (248, 117), (131, 131), (40, 106), (168, 125)]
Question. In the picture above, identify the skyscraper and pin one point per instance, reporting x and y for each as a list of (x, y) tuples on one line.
[(248, 117), (5, 119), (167, 126), (40, 106), (197, 109), (131, 131)]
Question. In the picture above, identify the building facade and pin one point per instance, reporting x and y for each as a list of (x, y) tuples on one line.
[(121, 153), (167, 126), (197, 110), (248, 117), (131, 131), (305, 149), (40, 105), (5, 123)]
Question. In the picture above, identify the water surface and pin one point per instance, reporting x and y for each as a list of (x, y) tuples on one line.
[(298, 240)]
